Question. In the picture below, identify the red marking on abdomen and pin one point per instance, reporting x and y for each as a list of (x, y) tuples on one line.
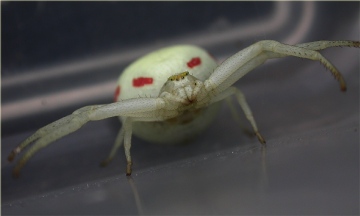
[(141, 81), (117, 93), (194, 62)]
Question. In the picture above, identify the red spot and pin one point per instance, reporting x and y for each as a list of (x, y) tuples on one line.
[(194, 62), (141, 81), (117, 93)]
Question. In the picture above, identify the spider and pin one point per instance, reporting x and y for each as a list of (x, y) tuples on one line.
[(172, 94)]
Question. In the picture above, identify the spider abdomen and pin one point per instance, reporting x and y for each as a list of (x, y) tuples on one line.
[(179, 129), (146, 77)]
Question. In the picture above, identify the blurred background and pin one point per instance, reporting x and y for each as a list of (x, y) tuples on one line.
[(59, 56)]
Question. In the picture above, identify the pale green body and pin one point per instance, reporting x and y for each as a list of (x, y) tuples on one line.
[(160, 65)]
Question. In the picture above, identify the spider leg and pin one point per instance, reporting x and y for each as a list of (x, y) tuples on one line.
[(118, 142), (48, 129), (232, 69), (236, 117), (240, 97), (127, 144), (61, 130), (144, 108), (38, 134), (248, 113), (320, 45)]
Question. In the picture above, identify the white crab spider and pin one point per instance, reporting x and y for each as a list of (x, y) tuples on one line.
[(171, 94)]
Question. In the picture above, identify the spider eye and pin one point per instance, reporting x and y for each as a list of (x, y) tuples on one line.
[(179, 76)]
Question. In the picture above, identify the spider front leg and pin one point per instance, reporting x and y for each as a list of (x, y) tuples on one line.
[(232, 69), (139, 109), (45, 136)]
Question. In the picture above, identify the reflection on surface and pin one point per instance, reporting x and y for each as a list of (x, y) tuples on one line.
[(264, 175), (136, 195)]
